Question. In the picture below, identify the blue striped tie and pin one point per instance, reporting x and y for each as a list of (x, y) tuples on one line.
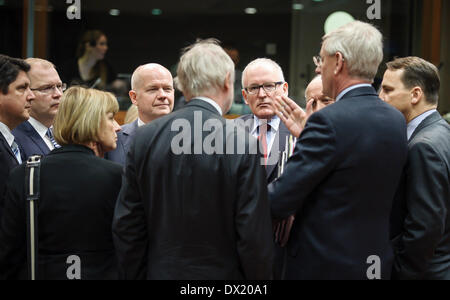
[(16, 151), (49, 134)]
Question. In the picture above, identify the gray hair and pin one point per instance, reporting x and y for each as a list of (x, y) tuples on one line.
[(262, 61), (203, 68), (361, 44)]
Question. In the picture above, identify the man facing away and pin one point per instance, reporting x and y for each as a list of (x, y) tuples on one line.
[(153, 93), (35, 136), (341, 180), (421, 214), (15, 103), (190, 208)]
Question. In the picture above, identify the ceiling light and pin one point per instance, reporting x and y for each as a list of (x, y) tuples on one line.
[(250, 10), (297, 6), (114, 12), (156, 12), (336, 20)]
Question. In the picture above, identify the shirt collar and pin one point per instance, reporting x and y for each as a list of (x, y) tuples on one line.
[(274, 123), (38, 126), (412, 125), (342, 94), (7, 134), (140, 122), (212, 102)]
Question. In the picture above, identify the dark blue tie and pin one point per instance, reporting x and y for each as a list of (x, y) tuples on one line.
[(49, 134), (16, 151)]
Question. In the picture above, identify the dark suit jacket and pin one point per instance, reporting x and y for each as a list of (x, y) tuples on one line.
[(422, 218), (340, 183), (124, 139), (78, 195), (29, 140), (192, 216), (280, 139), (7, 162)]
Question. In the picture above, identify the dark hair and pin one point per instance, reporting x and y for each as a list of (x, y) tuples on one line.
[(418, 72), (9, 70), (100, 69)]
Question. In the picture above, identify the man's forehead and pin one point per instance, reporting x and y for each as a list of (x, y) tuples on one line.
[(44, 75), (262, 70)]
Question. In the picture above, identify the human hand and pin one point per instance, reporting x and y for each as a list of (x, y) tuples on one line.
[(291, 114)]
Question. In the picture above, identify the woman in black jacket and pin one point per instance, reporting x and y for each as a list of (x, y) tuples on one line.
[(78, 191)]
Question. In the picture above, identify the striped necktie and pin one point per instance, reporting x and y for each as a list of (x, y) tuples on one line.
[(16, 151), (262, 137), (49, 134)]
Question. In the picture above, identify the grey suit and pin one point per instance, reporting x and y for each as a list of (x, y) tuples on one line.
[(124, 139), (421, 215)]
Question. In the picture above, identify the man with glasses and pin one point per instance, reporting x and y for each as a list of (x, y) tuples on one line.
[(35, 136), (341, 181), (263, 80), (15, 102)]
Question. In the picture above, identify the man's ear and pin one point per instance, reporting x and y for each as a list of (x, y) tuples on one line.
[(245, 95), (339, 63), (228, 84), (286, 89), (416, 95), (133, 95)]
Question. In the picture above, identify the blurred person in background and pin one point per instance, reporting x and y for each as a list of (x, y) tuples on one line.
[(90, 67)]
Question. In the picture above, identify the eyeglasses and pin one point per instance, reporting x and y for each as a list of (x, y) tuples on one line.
[(268, 87), (49, 89), (317, 61)]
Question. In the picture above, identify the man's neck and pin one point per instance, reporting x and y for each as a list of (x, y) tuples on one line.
[(341, 86), (46, 123), (415, 112)]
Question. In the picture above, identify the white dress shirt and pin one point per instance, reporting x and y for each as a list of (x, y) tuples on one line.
[(274, 125), (412, 125), (41, 129)]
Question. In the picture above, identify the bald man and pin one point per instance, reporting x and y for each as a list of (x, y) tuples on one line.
[(35, 136), (153, 93)]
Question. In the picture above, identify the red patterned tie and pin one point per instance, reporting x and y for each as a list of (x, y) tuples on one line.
[(262, 137)]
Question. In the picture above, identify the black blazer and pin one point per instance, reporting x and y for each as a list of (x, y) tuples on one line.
[(422, 218), (280, 139), (340, 184), (7, 162), (29, 140), (124, 139), (78, 195), (192, 216)]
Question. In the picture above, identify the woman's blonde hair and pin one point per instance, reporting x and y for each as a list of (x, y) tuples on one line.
[(80, 115)]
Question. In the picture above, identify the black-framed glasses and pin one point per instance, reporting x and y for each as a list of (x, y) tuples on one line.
[(268, 87), (49, 89)]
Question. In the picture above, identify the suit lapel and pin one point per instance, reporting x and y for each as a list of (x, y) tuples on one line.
[(7, 147), (280, 138), (36, 138), (128, 134), (431, 119)]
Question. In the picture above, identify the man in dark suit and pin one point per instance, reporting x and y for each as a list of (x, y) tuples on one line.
[(341, 180), (262, 80), (192, 206), (153, 93), (35, 136), (421, 214), (15, 102)]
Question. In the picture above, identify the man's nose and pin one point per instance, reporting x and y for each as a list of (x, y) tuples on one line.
[(262, 92)]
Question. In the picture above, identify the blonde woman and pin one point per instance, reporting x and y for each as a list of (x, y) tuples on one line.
[(78, 194)]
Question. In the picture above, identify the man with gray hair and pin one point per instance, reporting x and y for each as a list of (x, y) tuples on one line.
[(35, 136), (153, 94), (188, 208), (341, 180)]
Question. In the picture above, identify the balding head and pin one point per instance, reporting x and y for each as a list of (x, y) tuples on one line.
[(141, 71), (152, 91), (48, 89), (314, 88)]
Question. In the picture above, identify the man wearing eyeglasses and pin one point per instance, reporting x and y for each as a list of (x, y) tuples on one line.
[(341, 180), (15, 98), (35, 136), (263, 80)]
